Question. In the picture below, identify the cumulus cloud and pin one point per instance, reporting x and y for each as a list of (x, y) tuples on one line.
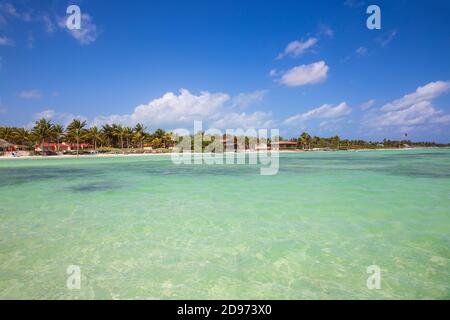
[(412, 110), (88, 32), (429, 91), (174, 111), (305, 74), (30, 94), (416, 114), (298, 47), (326, 111)]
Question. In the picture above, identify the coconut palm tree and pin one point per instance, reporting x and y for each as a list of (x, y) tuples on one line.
[(21, 135), (58, 133), (336, 141), (118, 132), (6, 133), (94, 135), (139, 138), (305, 140), (140, 128), (108, 134), (42, 131), (76, 131), (127, 134), (167, 139)]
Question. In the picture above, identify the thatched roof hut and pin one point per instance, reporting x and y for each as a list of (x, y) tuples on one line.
[(4, 144)]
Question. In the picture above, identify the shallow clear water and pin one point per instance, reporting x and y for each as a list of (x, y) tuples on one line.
[(142, 227)]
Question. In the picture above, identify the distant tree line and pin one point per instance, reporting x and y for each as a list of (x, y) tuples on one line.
[(124, 137), (77, 132), (306, 141)]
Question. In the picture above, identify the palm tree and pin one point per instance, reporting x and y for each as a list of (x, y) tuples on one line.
[(76, 131), (95, 135), (140, 128), (127, 134), (58, 133), (118, 132), (41, 131), (21, 135), (305, 140), (336, 141), (167, 139), (108, 134), (139, 138), (6, 133)]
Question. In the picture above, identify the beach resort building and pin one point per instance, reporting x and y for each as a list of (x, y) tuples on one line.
[(60, 147), (284, 145)]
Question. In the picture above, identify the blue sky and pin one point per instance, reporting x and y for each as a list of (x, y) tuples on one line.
[(292, 65)]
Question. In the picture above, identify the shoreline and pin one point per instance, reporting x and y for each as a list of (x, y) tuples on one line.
[(112, 155)]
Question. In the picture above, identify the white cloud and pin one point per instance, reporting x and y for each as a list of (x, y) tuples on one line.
[(56, 117), (243, 100), (46, 114), (298, 47), (325, 30), (429, 91), (445, 119), (88, 32), (273, 73), (326, 111), (173, 111), (366, 105), (4, 41), (361, 51), (305, 74), (10, 10), (30, 94), (385, 39), (258, 119), (416, 114), (412, 110), (48, 23)]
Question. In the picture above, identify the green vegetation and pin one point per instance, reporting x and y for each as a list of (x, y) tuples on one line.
[(118, 139), (305, 141), (110, 138)]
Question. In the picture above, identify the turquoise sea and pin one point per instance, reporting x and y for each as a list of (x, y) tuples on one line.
[(142, 227)]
